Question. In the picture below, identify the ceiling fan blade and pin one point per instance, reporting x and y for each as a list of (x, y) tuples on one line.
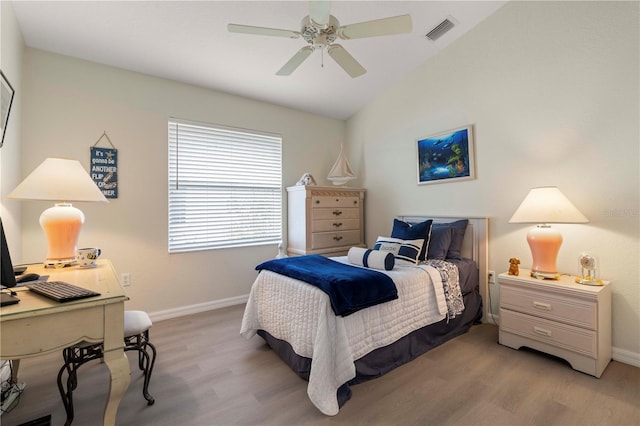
[(379, 27), (295, 61), (274, 32), (345, 60), (319, 12)]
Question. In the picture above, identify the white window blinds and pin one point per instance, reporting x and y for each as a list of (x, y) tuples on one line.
[(225, 187)]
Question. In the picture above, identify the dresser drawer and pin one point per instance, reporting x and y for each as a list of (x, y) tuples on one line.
[(553, 307), (334, 201), (321, 240), (335, 225), (335, 213), (561, 335)]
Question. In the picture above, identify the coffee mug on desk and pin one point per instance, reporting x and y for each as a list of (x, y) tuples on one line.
[(87, 257)]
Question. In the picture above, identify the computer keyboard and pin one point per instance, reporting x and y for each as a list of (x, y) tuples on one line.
[(60, 291)]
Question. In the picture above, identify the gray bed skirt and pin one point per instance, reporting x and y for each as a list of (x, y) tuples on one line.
[(385, 359)]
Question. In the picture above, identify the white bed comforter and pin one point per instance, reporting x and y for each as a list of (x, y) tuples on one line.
[(301, 314)]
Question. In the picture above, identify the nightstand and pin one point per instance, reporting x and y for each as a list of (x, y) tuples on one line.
[(558, 317)]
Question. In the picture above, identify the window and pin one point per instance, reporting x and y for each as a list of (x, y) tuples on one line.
[(225, 187)]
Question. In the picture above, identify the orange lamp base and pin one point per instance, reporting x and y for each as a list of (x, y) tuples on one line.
[(61, 224), (544, 243)]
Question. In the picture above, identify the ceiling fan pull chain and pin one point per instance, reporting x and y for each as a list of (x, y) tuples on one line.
[(321, 58)]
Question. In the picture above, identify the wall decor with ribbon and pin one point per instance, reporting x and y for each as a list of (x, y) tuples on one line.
[(104, 167)]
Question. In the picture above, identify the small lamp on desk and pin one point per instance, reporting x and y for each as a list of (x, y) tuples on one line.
[(543, 206), (61, 180)]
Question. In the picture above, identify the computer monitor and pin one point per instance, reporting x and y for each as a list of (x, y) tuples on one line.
[(8, 276)]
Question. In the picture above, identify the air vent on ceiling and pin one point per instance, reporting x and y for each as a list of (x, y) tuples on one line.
[(440, 29)]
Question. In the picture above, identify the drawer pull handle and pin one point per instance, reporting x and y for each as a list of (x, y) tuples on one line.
[(540, 305), (337, 225), (337, 212), (542, 331), (337, 237), (317, 201)]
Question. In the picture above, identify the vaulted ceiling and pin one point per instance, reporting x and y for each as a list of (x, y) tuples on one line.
[(188, 41)]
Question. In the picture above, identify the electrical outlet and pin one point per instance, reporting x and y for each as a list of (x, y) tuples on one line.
[(492, 277), (125, 279)]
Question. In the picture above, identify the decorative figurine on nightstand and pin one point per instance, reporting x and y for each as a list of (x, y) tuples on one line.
[(306, 180), (513, 266), (588, 272)]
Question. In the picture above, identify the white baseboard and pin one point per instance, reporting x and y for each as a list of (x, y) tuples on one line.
[(626, 357), (200, 307)]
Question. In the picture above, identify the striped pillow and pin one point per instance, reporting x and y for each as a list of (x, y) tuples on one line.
[(407, 250)]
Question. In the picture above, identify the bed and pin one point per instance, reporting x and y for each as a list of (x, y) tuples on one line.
[(333, 352)]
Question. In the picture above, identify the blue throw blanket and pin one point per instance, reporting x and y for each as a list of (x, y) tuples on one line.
[(349, 288)]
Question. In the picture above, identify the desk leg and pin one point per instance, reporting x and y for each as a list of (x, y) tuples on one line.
[(115, 359), (15, 365), (120, 373)]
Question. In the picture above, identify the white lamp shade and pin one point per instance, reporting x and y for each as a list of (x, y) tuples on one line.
[(58, 179), (547, 205)]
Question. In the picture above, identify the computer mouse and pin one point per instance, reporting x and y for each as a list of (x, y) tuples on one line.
[(27, 277)]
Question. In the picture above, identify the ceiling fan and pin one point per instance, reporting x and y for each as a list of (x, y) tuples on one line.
[(320, 29)]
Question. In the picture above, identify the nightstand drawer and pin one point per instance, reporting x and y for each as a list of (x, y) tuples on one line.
[(335, 225), (334, 201), (335, 239), (553, 307), (561, 335), (321, 213)]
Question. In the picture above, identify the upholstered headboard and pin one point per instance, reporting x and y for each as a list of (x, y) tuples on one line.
[(474, 246)]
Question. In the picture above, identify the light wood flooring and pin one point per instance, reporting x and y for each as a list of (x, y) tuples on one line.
[(206, 374)]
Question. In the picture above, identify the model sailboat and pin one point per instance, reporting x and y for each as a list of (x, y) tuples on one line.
[(341, 171)]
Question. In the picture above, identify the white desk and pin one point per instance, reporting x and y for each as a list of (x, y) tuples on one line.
[(37, 325)]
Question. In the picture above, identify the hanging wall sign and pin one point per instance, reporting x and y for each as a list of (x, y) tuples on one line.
[(104, 168)]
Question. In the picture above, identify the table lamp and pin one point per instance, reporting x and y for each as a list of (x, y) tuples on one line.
[(61, 180), (546, 205)]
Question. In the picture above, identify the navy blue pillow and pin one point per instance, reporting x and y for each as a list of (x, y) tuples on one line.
[(415, 231), (458, 229), (455, 249), (439, 242)]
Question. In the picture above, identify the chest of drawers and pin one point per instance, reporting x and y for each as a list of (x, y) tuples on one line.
[(559, 317), (324, 220)]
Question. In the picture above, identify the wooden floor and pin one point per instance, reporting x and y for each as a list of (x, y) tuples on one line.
[(206, 374)]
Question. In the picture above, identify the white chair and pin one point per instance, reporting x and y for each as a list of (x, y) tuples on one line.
[(136, 332)]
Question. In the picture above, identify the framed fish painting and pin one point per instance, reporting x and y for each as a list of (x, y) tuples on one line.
[(446, 157)]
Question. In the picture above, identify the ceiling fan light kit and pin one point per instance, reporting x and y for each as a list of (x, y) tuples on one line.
[(320, 30)]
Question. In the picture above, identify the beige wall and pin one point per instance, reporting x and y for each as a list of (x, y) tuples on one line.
[(552, 91), (69, 103)]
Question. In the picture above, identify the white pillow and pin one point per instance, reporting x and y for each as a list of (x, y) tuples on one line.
[(371, 258), (407, 250)]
